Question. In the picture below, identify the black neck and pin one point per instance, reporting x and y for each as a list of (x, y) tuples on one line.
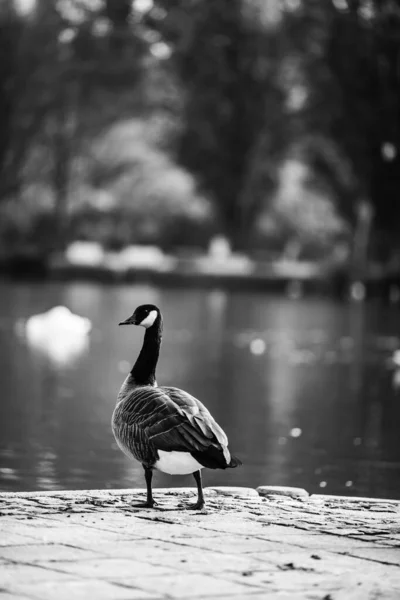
[(144, 369)]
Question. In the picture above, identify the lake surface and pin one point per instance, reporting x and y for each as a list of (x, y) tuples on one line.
[(305, 389)]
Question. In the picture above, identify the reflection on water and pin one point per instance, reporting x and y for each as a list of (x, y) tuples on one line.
[(57, 333), (304, 388)]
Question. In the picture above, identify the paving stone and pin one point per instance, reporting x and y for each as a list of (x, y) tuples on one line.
[(292, 581), (313, 541), (299, 579), (110, 568), (94, 544), (192, 585), (11, 572), (81, 590), (353, 499), (16, 528), (8, 538), (227, 542), (223, 526), (74, 535), (271, 490), (321, 562), (42, 552), (139, 551), (235, 492), (198, 561), (384, 555)]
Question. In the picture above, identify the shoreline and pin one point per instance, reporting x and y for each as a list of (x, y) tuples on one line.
[(293, 281), (263, 491)]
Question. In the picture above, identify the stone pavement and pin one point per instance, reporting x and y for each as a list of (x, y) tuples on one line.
[(282, 544)]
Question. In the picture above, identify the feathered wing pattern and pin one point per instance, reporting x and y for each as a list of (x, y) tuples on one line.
[(169, 419)]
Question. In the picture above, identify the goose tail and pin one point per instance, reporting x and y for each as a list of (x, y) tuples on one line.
[(235, 462)]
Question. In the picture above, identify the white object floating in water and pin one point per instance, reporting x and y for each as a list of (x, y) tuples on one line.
[(56, 320), (323, 484), (296, 432), (348, 484), (257, 346), (396, 358), (58, 333)]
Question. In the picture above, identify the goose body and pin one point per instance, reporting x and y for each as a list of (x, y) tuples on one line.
[(165, 428)]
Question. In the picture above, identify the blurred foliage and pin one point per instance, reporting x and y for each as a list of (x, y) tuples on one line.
[(167, 121), (136, 193), (301, 220), (348, 52), (234, 126)]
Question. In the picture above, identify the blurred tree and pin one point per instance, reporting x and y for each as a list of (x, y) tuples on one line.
[(119, 13), (349, 54), (63, 80), (301, 221), (232, 90), (17, 125), (137, 194), (234, 129)]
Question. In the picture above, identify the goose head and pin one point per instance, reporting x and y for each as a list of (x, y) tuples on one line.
[(145, 315)]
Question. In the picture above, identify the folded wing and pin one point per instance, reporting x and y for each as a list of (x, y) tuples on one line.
[(170, 419)]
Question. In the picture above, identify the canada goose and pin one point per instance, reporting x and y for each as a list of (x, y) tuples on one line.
[(165, 428)]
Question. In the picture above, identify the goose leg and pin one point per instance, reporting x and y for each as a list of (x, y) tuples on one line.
[(200, 498), (150, 502)]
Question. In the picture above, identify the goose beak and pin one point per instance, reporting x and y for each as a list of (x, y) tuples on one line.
[(129, 321)]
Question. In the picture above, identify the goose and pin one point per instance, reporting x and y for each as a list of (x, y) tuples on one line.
[(165, 428)]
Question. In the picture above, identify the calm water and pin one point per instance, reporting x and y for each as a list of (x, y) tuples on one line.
[(304, 389)]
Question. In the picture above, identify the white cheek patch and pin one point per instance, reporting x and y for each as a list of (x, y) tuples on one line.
[(149, 320)]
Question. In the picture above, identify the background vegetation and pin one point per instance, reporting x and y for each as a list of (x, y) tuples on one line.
[(274, 122)]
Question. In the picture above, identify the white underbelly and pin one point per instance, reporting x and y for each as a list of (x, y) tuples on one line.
[(177, 463)]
